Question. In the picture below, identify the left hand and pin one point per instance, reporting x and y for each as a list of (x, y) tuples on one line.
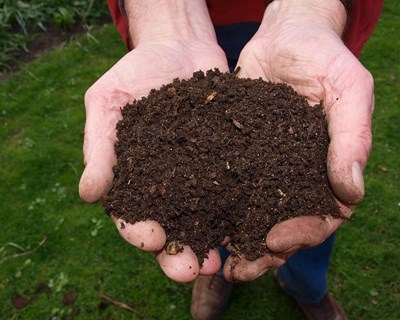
[(170, 42), (301, 46)]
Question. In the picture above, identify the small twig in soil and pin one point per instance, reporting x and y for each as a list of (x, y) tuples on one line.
[(237, 124), (120, 304), (236, 71), (17, 255), (211, 97)]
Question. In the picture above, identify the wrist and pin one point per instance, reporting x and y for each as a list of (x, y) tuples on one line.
[(328, 14), (348, 4), (169, 20)]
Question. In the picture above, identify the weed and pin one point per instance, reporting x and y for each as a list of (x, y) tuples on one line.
[(21, 22), (58, 283)]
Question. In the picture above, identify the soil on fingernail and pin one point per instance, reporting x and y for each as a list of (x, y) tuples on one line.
[(217, 156)]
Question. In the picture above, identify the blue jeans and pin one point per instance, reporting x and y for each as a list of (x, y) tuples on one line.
[(304, 276)]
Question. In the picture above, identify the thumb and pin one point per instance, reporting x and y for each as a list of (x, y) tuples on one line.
[(98, 175), (349, 123), (98, 148)]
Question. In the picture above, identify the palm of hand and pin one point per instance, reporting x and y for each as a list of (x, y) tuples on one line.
[(132, 77), (314, 62), (319, 67)]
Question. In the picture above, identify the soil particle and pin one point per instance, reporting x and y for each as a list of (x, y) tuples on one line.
[(20, 302), (41, 287), (69, 297), (217, 156)]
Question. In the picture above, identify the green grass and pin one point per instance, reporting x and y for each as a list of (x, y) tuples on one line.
[(22, 22), (74, 247)]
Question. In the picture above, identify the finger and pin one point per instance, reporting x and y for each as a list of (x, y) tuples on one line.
[(349, 125), (211, 264), (239, 269), (102, 114), (301, 232), (98, 175), (146, 235), (180, 267), (226, 241)]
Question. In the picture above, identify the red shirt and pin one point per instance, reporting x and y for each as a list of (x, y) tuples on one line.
[(362, 21)]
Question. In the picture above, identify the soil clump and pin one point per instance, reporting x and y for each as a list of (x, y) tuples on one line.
[(217, 156)]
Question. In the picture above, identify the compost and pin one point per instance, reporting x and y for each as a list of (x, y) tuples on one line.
[(218, 156)]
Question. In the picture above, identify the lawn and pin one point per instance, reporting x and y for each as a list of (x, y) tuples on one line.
[(59, 257)]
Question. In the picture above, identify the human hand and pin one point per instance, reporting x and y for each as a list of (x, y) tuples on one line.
[(163, 51), (299, 43)]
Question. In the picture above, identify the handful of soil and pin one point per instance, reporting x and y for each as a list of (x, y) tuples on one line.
[(217, 156)]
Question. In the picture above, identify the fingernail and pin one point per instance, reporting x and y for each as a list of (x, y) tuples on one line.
[(358, 180)]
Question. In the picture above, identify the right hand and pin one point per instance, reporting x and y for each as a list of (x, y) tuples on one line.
[(298, 43), (148, 66)]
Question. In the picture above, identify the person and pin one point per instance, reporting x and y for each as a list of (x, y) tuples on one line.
[(311, 45)]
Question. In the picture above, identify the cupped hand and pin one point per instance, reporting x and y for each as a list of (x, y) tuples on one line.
[(146, 67), (316, 63)]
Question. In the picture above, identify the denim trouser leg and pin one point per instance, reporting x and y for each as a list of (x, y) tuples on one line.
[(224, 253), (304, 276)]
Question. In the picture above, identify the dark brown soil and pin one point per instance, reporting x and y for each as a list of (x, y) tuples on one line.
[(217, 156)]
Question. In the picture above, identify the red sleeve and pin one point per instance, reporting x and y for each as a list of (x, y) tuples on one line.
[(120, 22), (223, 12), (362, 22), (363, 18)]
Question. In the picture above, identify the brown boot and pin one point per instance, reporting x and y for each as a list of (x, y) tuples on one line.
[(210, 297), (326, 309)]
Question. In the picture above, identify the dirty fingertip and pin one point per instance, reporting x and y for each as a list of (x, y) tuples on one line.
[(358, 180), (239, 269), (146, 235), (95, 181), (211, 264), (181, 266)]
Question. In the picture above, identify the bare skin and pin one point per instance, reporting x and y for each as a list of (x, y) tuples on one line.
[(168, 44), (309, 55), (297, 43)]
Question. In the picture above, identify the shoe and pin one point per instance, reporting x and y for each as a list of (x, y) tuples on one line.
[(210, 297), (326, 309)]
